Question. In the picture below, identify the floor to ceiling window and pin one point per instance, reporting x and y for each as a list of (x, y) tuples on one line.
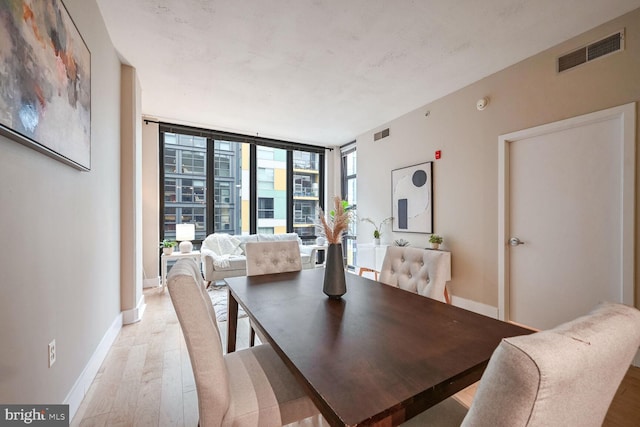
[(306, 193), (236, 184), (184, 183), (272, 190), (349, 193), (228, 184)]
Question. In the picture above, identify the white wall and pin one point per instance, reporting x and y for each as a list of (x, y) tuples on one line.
[(131, 270), (61, 259), (524, 95), (150, 203)]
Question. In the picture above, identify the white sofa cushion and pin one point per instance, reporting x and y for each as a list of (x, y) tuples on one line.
[(234, 262)]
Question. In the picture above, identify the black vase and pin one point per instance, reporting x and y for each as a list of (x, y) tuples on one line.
[(335, 284)]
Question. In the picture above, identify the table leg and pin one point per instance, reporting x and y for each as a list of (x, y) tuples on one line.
[(164, 271), (232, 322)]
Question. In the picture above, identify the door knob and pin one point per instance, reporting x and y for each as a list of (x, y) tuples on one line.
[(514, 241)]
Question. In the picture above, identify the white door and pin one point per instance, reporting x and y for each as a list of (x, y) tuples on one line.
[(566, 195)]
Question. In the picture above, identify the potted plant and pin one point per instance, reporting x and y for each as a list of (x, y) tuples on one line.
[(435, 241), (168, 246), (401, 243), (377, 228)]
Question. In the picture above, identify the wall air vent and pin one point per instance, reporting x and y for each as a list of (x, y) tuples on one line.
[(382, 134), (606, 46)]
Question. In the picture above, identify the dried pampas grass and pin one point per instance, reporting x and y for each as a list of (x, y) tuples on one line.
[(334, 225)]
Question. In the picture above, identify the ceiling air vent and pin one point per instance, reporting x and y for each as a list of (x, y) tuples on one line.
[(607, 45), (382, 134)]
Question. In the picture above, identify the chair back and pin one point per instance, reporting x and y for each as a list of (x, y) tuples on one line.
[(272, 257), (564, 376), (198, 322), (417, 270)]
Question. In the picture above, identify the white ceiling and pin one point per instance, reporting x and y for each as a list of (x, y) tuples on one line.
[(325, 71)]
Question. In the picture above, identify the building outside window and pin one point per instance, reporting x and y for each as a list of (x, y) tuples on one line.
[(184, 187), (230, 187), (306, 194), (265, 207), (272, 189), (222, 165), (266, 178)]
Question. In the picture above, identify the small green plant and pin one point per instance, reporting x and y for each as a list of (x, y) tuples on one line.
[(377, 227), (168, 243), (401, 242), (345, 208), (435, 239)]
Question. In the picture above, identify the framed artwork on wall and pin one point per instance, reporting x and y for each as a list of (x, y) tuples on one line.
[(412, 198), (45, 81)]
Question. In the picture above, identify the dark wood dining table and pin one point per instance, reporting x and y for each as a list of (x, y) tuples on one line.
[(377, 356)]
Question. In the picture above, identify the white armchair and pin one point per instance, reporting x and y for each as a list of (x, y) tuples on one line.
[(272, 257)]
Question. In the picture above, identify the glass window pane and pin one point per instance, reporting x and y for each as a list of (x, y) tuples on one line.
[(169, 160), (266, 153), (170, 138), (184, 184), (265, 207), (222, 165), (351, 163), (230, 187), (272, 188), (265, 178), (351, 191), (306, 192)]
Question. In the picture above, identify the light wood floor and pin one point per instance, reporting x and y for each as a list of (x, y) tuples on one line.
[(146, 379)]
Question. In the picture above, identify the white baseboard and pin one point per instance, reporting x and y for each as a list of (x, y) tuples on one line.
[(82, 384), (151, 283), (476, 307), (636, 361), (134, 315)]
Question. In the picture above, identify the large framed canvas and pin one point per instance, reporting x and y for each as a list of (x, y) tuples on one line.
[(45, 80), (412, 198)]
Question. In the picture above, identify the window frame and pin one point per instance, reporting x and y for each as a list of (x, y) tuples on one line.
[(214, 138), (345, 178)]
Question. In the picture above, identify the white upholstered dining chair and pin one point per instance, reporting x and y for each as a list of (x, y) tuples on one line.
[(566, 376), (272, 257), (417, 270), (268, 258), (249, 387)]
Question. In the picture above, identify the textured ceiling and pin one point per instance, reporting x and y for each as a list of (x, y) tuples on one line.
[(325, 71)]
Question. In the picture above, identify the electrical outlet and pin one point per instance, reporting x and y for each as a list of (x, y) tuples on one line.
[(52, 352)]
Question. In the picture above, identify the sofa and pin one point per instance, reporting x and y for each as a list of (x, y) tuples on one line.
[(223, 255)]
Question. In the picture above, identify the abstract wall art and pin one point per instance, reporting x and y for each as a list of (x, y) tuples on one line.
[(45, 81), (412, 198)]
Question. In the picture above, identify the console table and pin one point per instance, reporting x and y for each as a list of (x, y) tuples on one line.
[(371, 256), (175, 256)]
